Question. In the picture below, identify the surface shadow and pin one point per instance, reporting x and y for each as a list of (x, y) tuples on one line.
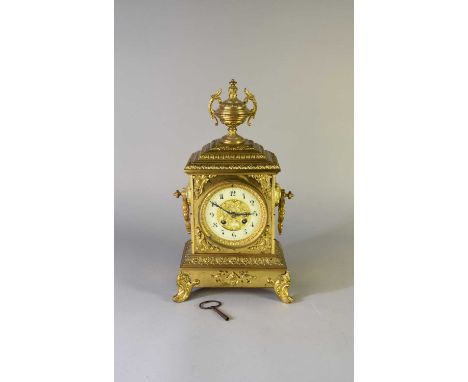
[(322, 263), (266, 293)]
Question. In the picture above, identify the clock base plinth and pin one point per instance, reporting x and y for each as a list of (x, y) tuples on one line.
[(233, 271)]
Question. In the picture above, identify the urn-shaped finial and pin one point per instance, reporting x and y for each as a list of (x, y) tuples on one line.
[(233, 112)]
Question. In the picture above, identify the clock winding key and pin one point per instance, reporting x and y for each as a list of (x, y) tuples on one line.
[(203, 305)]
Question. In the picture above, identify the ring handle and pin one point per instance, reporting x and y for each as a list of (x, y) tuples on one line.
[(250, 97), (281, 209), (185, 207), (214, 97)]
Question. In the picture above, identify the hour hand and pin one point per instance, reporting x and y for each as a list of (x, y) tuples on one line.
[(242, 213)]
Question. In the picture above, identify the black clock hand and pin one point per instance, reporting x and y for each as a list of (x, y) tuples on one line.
[(217, 205), (233, 214), (242, 213)]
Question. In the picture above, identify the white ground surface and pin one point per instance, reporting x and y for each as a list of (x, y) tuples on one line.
[(265, 340)]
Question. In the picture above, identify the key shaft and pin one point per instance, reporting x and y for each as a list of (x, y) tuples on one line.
[(226, 318)]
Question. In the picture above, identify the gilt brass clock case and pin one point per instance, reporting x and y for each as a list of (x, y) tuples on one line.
[(256, 260), (262, 212)]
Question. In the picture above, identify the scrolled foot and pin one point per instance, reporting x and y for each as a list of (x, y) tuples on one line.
[(281, 286), (185, 285)]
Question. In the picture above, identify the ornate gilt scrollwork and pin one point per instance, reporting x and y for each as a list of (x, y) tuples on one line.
[(199, 182), (281, 286), (264, 181), (233, 260), (231, 167), (185, 285), (203, 244), (185, 207), (231, 278), (263, 243)]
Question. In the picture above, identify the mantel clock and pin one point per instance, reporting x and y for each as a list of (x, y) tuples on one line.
[(229, 209)]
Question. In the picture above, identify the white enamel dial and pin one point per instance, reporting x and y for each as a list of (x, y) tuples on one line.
[(234, 214)]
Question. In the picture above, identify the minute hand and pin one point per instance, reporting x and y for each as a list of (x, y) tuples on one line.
[(217, 205), (232, 213)]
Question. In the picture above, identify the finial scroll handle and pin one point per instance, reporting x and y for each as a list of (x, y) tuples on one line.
[(250, 97), (214, 97)]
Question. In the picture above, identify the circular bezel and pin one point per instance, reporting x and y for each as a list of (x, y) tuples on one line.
[(234, 243)]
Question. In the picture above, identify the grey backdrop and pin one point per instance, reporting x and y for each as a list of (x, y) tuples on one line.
[(297, 58)]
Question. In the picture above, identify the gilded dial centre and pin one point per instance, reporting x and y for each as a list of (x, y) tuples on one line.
[(233, 214)]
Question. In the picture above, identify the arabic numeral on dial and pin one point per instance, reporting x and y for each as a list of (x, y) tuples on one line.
[(252, 225), (221, 196), (245, 232), (243, 195), (222, 231), (234, 234), (215, 225), (252, 202), (255, 213), (212, 214), (233, 193)]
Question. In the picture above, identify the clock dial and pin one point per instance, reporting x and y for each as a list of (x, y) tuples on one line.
[(234, 214)]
